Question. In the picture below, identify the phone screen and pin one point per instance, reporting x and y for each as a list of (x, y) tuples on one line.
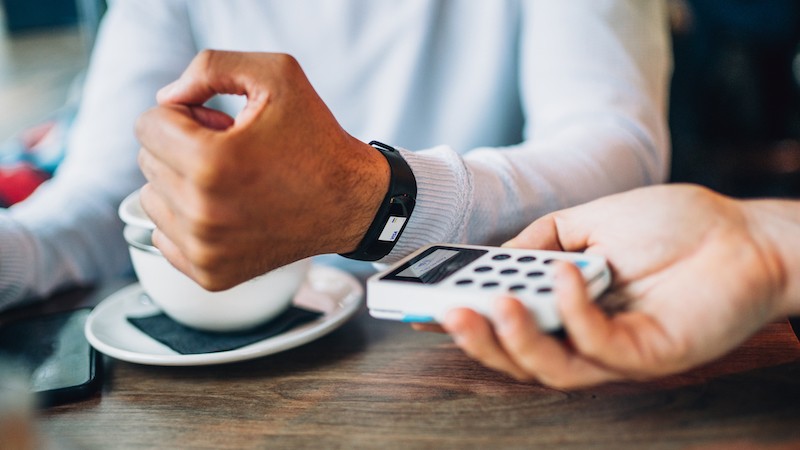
[(53, 349)]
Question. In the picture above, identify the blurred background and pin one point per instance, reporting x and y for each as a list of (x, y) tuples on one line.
[(735, 102), (42, 51)]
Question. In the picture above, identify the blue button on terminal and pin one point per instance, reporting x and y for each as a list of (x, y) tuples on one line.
[(412, 318)]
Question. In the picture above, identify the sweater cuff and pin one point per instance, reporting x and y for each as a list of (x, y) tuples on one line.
[(17, 250), (443, 193)]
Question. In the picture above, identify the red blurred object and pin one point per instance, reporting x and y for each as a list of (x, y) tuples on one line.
[(18, 182)]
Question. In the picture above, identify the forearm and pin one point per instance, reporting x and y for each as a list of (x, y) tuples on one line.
[(586, 160), (776, 226), (46, 247), (16, 248), (489, 195)]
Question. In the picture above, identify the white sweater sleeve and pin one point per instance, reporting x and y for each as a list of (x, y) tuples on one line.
[(594, 77), (67, 233)]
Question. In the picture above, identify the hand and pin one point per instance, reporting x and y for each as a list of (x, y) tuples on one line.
[(696, 269), (235, 198)]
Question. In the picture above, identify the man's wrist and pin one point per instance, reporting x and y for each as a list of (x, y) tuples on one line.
[(393, 212), (367, 185)]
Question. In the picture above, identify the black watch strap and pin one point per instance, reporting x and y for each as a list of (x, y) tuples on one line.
[(393, 213)]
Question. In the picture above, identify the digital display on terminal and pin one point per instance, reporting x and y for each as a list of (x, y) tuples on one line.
[(435, 264)]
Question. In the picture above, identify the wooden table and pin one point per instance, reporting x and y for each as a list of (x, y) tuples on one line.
[(377, 384)]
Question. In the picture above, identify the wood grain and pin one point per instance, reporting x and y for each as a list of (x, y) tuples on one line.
[(379, 384)]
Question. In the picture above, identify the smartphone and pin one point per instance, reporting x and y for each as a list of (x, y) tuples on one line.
[(53, 350)]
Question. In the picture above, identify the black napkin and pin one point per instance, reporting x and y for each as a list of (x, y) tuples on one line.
[(189, 341)]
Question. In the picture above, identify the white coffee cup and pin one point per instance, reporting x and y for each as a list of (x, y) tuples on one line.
[(181, 298)]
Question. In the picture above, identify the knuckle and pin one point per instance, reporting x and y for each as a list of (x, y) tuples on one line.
[(213, 168), (286, 60), (475, 350), (142, 124), (528, 359), (531, 367), (558, 382), (207, 280), (205, 175), (209, 64), (211, 282), (698, 190), (654, 357), (286, 64), (590, 348), (204, 230), (142, 160), (210, 171), (657, 362), (203, 221), (206, 58), (213, 278), (205, 261), (523, 377)]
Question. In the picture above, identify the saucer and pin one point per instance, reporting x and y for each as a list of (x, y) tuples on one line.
[(335, 293)]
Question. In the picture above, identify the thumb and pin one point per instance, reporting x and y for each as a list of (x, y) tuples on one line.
[(214, 72), (566, 230), (542, 234), (210, 73)]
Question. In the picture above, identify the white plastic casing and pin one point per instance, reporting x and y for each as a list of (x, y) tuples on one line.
[(425, 285)]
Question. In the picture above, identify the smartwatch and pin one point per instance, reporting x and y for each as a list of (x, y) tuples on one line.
[(394, 212)]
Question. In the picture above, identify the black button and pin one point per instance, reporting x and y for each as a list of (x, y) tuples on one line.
[(549, 261), (526, 259), (534, 274), (490, 284), (517, 287), (483, 269), (464, 282), (501, 257), (508, 271), (544, 290)]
